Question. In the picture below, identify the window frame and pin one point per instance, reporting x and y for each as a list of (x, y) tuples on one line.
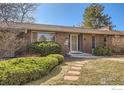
[(93, 46), (45, 33), (105, 40)]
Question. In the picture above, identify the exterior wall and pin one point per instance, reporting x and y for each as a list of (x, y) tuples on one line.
[(87, 43), (99, 40), (117, 44), (63, 40), (60, 37), (13, 42), (109, 41), (28, 37)]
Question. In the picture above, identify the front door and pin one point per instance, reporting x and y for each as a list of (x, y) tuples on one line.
[(74, 42)]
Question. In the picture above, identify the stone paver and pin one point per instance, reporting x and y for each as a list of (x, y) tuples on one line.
[(71, 78), (78, 65), (75, 68), (71, 72), (80, 62), (84, 61), (74, 72)]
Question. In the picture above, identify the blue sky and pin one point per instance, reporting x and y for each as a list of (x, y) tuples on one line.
[(72, 14)]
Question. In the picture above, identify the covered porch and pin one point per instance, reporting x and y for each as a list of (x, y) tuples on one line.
[(80, 46)]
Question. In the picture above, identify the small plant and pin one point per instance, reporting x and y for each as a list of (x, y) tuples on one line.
[(102, 51), (45, 48)]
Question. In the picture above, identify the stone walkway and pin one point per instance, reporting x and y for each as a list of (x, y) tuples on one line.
[(74, 72)]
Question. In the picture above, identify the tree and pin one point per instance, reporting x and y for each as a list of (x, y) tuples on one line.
[(25, 12), (95, 18), (8, 12), (21, 12), (10, 41)]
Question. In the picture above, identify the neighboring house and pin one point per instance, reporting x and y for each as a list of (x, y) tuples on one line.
[(72, 39)]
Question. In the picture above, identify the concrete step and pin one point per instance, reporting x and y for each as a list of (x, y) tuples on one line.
[(83, 56), (79, 54)]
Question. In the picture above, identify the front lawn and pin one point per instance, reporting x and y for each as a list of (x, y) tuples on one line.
[(95, 72), (103, 72)]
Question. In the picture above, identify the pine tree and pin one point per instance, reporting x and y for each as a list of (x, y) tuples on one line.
[(95, 18)]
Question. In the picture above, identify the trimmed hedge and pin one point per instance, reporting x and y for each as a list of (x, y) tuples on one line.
[(102, 51), (59, 57), (45, 48), (19, 71)]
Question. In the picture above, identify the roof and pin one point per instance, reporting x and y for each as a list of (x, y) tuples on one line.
[(55, 28)]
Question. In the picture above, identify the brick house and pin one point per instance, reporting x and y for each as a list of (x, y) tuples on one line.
[(72, 39)]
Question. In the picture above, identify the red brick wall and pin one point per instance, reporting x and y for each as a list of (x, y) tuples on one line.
[(99, 40), (115, 42), (87, 43), (61, 38), (28, 37)]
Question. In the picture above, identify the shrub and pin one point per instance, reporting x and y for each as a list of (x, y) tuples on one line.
[(22, 70), (102, 51), (59, 57), (45, 48)]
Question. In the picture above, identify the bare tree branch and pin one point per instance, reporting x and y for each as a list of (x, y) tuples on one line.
[(17, 12)]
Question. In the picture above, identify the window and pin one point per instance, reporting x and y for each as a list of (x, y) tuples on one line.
[(93, 42), (46, 36), (105, 40)]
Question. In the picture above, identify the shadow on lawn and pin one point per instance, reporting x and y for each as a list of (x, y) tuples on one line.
[(43, 79)]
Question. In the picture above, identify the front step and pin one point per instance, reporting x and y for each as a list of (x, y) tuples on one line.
[(78, 54), (75, 52)]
